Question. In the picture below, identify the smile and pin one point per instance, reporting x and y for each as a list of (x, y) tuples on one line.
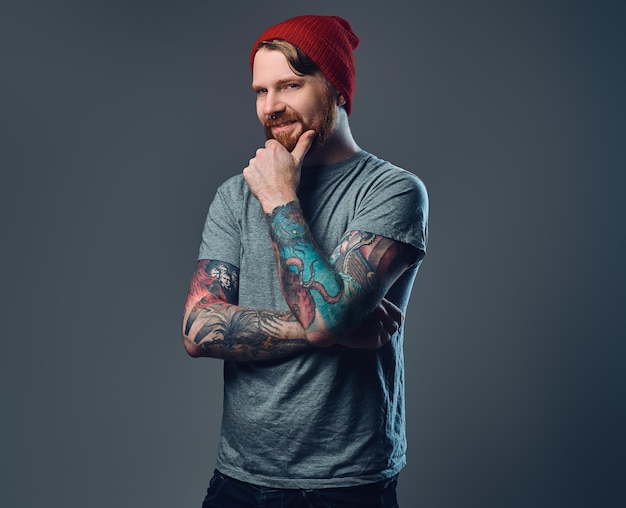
[(283, 126)]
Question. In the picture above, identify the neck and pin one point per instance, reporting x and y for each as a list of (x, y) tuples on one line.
[(340, 146)]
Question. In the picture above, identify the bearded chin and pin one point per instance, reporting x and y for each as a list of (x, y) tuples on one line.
[(289, 141)]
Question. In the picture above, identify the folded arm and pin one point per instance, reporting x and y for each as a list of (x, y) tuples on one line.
[(331, 296), (215, 326)]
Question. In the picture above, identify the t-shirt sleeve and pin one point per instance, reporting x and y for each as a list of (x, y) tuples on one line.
[(395, 206), (221, 236)]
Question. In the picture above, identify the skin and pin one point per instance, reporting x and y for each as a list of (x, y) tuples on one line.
[(215, 326), (333, 300)]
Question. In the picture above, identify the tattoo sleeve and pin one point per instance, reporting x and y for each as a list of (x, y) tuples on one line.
[(214, 325), (329, 296)]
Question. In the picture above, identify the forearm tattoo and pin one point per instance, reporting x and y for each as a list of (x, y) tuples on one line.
[(318, 289), (222, 329)]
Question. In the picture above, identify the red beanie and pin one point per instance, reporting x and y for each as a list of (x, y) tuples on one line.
[(327, 40)]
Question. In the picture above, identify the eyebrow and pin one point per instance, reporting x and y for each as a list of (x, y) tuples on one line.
[(281, 82)]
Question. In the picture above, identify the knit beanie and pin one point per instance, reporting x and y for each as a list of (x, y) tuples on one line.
[(327, 40)]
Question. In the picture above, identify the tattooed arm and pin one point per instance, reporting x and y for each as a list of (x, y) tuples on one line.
[(329, 297), (213, 324)]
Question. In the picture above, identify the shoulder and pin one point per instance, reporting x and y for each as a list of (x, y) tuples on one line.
[(235, 185), (390, 178), (233, 192)]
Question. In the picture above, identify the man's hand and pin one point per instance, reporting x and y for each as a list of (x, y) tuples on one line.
[(376, 329), (274, 173)]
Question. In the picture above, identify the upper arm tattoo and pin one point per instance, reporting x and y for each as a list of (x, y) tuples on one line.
[(337, 292), (333, 293), (214, 281), (365, 258)]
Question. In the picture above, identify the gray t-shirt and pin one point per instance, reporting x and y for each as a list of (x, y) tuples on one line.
[(327, 417)]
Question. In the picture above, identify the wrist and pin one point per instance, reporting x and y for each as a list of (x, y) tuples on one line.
[(274, 211), (276, 199)]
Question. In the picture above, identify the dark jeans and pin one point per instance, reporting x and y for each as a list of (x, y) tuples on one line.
[(226, 492)]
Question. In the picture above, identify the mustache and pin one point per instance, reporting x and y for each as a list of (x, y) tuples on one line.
[(281, 120)]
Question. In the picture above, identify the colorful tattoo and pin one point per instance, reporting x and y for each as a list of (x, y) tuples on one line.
[(305, 274), (223, 330), (319, 290)]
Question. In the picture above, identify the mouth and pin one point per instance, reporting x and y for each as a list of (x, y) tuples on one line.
[(282, 126)]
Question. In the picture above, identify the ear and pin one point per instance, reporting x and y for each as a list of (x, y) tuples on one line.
[(341, 100)]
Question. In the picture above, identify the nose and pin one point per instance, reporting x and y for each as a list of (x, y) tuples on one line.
[(272, 104)]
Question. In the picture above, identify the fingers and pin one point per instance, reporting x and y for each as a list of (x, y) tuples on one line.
[(269, 143), (395, 316), (389, 316), (379, 327), (298, 153), (302, 147)]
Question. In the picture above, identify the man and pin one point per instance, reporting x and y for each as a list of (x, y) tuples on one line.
[(321, 242)]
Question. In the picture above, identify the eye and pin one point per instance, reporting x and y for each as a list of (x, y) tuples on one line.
[(292, 86), (260, 91)]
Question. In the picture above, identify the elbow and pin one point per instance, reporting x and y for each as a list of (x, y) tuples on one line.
[(191, 348), (330, 333), (321, 338)]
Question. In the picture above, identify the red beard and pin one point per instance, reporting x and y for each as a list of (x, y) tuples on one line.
[(287, 139), (324, 128)]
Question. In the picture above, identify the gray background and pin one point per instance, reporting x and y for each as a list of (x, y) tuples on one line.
[(118, 120)]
